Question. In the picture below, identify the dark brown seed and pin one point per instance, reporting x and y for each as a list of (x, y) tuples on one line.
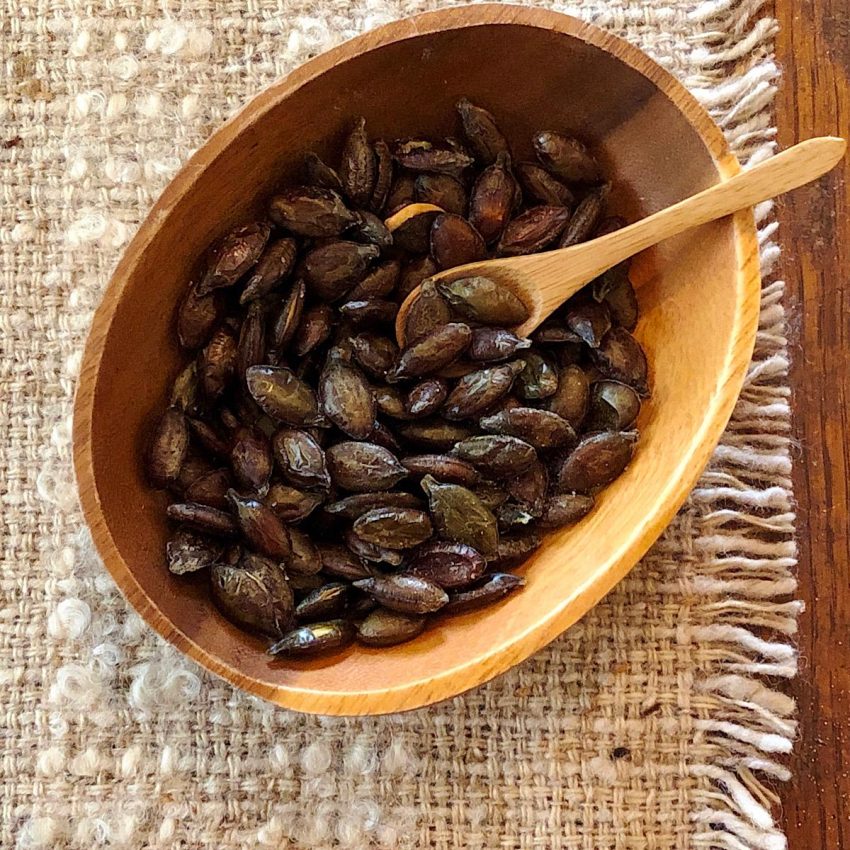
[(203, 518), (529, 489), (597, 460), (261, 526), (185, 390), (311, 211), (416, 273), (315, 639), (320, 174), (252, 339), (254, 595), (481, 131), (539, 378), (513, 517), (168, 448), (426, 397), (433, 352), (403, 593), (455, 242), (613, 406), (210, 489), (329, 600), (339, 562), (621, 358), (491, 494), (289, 318), (449, 565), (292, 504), (313, 330), (370, 313), (434, 433), (565, 509), (301, 459), (492, 199), (496, 587), (283, 396), (376, 354), (390, 402), (567, 157), (383, 176), (541, 428), (443, 467), (352, 507), (393, 528), (302, 585), (346, 397), (388, 628), (193, 468), (401, 193), (622, 303), (331, 270), (197, 317), (273, 268), (305, 558), (533, 230), (370, 229), (571, 398), (188, 552), (541, 187), (585, 218), (382, 436), (234, 255), (363, 467), (554, 332), (589, 320), (358, 169), (424, 156), (443, 191), (496, 454), (482, 300), (379, 283), (414, 234), (490, 345), (208, 438), (459, 515), (371, 551), (217, 363), (428, 312), (514, 549), (480, 390)]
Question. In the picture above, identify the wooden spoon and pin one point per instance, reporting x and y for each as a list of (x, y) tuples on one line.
[(545, 281)]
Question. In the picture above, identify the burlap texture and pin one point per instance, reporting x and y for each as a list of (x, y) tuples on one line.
[(648, 725)]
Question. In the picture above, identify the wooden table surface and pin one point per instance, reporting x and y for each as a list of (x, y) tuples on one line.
[(813, 49)]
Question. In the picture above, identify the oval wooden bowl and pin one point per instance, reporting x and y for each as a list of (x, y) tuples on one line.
[(699, 297)]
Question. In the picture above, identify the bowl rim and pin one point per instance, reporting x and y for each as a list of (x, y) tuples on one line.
[(475, 671)]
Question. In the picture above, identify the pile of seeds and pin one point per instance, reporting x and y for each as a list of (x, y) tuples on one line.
[(335, 487)]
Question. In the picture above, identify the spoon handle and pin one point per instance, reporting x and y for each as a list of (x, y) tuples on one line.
[(793, 167)]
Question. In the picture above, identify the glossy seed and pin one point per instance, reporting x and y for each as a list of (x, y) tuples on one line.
[(283, 396), (382, 436), (168, 448), (434, 433), (555, 332), (289, 317), (370, 229), (197, 317), (234, 255), (304, 559), (460, 516), (217, 363), (314, 639), (251, 348), (417, 155), (203, 518), (571, 399), (331, 270), (369, 313), (539, 378), (377, 354), (372, 552), (428, 312), (454, 242), (401, 193), (443, 467), (589, 320), (313, 330), (490, 345), (449, 565), (478, 391), (613, 406), (491, 494), (481, 131), (363, 467), (261, 526), (311, 211), (492, 199), (426, 397), (320, 174), (496, 454), (514, 549), (393, 528), (273, 267), (383, 627), (497, 586), (597, 460), (565, 509), (383, 176), (513, 517), (543, 429), (346, 397), (208, 438), (482, 300), (192, 469), (210, 489), (327, 601), (533, 230), (566, 157), (541, 187), (290, 503), (441, 190), (416, 273), (254, 594), (414, 234), (352, 507), (585, 218), (188, 552), (432, 352), (339, 562), (529, 489), (378, 283), (357, 168), (622, 302), (403, 593), (301, 459), (621, 358), (390, 402)]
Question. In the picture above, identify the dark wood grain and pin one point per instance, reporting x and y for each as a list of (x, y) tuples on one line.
[(814, 50)]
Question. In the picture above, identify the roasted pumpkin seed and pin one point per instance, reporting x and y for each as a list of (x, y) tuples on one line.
[(168, 448), (495, 587), (188, 552), (363, 467), (311, 211), (460, 515), (314, 639), (383, 627), (597, 460), (404, 593)]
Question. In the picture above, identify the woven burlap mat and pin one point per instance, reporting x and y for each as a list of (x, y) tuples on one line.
[(650, 724)]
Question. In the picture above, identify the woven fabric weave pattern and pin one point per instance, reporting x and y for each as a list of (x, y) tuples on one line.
[(648, 725)]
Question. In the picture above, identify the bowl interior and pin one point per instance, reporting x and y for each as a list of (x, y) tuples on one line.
[(690, 292)]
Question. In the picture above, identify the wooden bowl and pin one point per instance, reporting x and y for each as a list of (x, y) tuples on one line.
[(699, 296)]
